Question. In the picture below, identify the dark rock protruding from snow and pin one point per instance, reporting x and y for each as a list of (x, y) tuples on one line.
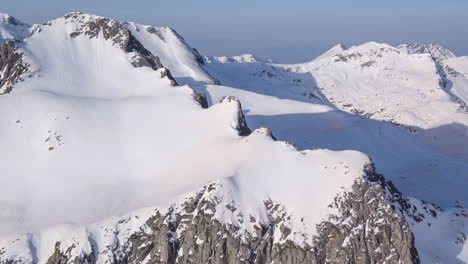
[(118, 34), (200, 98), (12, 66), (166, 73), (241, 124), (365, 228), (268, 132)]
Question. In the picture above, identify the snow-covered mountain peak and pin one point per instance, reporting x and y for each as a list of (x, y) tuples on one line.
[(338, 48), (76, 23), (99, 47), (175, 53), (367, 50), (438, 52), (372, 45), (6, 18), (12, 28)]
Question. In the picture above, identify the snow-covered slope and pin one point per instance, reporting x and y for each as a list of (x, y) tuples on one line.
[(373, 80), (106, 130), (380, 82), (417, 169), (185, 62), (459, 64), (11, 28)]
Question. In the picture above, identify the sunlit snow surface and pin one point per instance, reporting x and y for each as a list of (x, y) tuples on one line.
[(88, 132)]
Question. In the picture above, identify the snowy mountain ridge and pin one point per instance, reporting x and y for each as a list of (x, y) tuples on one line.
[(437, 51), (102, 105)]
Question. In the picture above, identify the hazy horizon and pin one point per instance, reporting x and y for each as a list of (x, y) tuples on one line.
[(286, 32)]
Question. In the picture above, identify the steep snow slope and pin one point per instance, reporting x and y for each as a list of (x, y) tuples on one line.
[(11, 28), (184, 61), (450, 68)]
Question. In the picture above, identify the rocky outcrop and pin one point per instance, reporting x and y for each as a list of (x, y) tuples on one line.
[(200, 98), (366, 225), (12, 66), (438, 52), (66, 257), (118, 34), (366, 228), (241, 124)]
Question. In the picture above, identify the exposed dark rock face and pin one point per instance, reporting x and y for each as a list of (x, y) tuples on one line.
[(167, 73), (65, 257), (155, 31), (241, 125), (366, 227), (198, 57), (200, 98), (119, 35), (268, 132), (123, 38), (12, 66)]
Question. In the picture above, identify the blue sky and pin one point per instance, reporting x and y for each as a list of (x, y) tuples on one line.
[(288, 31)]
